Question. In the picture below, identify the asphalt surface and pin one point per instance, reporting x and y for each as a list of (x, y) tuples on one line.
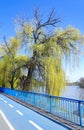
[(19, 117)]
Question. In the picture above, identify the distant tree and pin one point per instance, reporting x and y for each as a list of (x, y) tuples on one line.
[(81, 82)]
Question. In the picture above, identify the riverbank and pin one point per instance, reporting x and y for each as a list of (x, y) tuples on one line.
[(72, 83)]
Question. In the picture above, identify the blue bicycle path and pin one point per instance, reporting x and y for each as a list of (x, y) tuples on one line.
[(23, 118)]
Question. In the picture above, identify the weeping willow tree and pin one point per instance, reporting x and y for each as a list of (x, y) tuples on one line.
[(48, 45), (9, 61)]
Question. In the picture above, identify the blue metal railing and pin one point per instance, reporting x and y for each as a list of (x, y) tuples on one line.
[(69, 109)]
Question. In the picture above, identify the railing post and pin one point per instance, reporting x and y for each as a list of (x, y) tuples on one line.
[(24, 96), (79, 112), (50, 104), (34, 99)]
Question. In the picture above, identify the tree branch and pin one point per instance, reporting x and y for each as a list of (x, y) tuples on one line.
[(7, 46)]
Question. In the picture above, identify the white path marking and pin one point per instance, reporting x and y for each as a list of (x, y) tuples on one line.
[(6, 120), (19, 112), (11, 105), (1, 98), (35, 125), (5, 101)]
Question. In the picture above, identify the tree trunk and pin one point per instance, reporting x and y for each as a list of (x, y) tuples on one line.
[(12, 82), (27, 82)]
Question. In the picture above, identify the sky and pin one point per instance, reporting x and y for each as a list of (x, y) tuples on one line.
[(71, 12)]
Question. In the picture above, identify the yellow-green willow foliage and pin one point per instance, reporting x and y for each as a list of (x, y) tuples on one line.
[(9, 62), (54, 76), (51, 55), (4, 71), (14, 45)]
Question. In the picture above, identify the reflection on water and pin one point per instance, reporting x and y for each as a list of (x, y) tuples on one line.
[(73, 92)]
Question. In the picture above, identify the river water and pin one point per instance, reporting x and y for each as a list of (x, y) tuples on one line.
[(74, 92)]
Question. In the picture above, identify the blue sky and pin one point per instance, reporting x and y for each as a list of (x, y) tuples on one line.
[(70, 11)]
